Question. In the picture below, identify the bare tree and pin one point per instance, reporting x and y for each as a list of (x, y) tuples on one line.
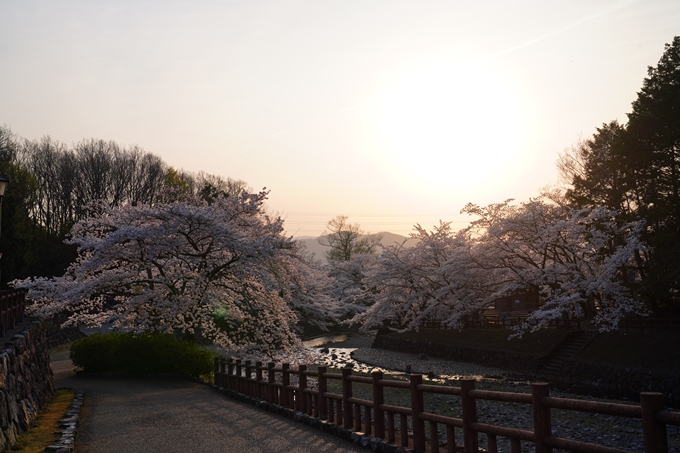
[(140, 175), (209, 186), (8, 144), (346, 240), (53, 168)]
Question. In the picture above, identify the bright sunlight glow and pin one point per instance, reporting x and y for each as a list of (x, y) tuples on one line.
[(452, 127)]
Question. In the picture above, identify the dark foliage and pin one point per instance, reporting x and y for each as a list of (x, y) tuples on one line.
[(139, 355), (51, 185), (635, 169)]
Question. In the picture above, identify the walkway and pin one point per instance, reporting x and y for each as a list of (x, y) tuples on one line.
[(180, 416)]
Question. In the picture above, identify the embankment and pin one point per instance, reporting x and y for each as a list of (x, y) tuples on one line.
[(26, 381), (601, 369)]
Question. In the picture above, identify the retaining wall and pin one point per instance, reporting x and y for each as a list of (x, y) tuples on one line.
[(26, 381), (611, 381), (522, 363), (596, 379)]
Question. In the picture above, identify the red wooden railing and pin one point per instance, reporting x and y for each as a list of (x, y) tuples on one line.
[(509, 322), (346, 410), (12, 305)]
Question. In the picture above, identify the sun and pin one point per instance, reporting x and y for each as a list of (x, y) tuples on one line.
[(451, 126)]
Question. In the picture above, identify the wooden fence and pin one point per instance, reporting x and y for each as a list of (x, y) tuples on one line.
[(273, 385), (508, 322), (12, 305)]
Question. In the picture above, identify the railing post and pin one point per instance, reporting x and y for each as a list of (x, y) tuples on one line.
[(220, 375), (418, 407), (249, 373), (258, 380), (13, 310), (238, 383), (323, 388), (217, 378), (542, 424), (230, 374), (378, 400), (357, 418), (346, 395), (23, 305), (469, 415), (224, 371), (271, 381), (654, 432), (286, 382), (302, 385), (450, 439), (3, 316), (434, 437)]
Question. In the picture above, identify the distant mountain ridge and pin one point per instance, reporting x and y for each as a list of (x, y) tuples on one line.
[(313, 246)]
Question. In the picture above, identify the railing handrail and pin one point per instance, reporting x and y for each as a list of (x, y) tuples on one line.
[(506, 322), (12, 306), (346, 409)]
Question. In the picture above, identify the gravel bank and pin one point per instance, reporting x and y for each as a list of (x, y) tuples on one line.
[(358, 353), (617, 432)]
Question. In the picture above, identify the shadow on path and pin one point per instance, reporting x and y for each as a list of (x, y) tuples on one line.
[(174, 415)]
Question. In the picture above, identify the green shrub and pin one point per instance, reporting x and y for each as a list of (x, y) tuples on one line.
[(137, 355)]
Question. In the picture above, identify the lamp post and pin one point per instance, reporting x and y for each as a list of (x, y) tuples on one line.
[(3, 186)]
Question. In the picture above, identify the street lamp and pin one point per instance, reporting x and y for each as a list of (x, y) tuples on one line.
[(3, 186)]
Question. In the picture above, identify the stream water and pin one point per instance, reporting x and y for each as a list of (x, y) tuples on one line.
[(328, 339), (335, 351), (341, 357)]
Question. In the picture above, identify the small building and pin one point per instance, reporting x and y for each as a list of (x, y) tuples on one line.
[(517, 302)]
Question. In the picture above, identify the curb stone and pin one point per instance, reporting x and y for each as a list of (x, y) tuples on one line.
[(68, 426)]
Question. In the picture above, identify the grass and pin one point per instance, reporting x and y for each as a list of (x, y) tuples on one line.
[(42, 430), (60, 352), (537, 343)]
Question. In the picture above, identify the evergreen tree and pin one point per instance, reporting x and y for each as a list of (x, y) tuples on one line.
[(635, 169), (651, 154)]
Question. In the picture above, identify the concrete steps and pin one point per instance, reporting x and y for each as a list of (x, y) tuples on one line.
[(567, 350)]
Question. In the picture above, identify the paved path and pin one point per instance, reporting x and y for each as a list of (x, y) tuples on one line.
[(174, 415)]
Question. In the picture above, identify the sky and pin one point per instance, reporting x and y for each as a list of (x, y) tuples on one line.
[(393, 113)]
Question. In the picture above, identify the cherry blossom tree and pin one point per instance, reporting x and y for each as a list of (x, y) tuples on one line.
[(350, 257), (571, 257), (221, 271), (585, 257), (352, 289), (435, 279)]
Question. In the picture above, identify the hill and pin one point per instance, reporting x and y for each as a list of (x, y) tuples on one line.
[(313, 246)]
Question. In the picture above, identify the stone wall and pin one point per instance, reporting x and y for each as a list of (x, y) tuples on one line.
[(522, 363), (26, 381), (606, 380)]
